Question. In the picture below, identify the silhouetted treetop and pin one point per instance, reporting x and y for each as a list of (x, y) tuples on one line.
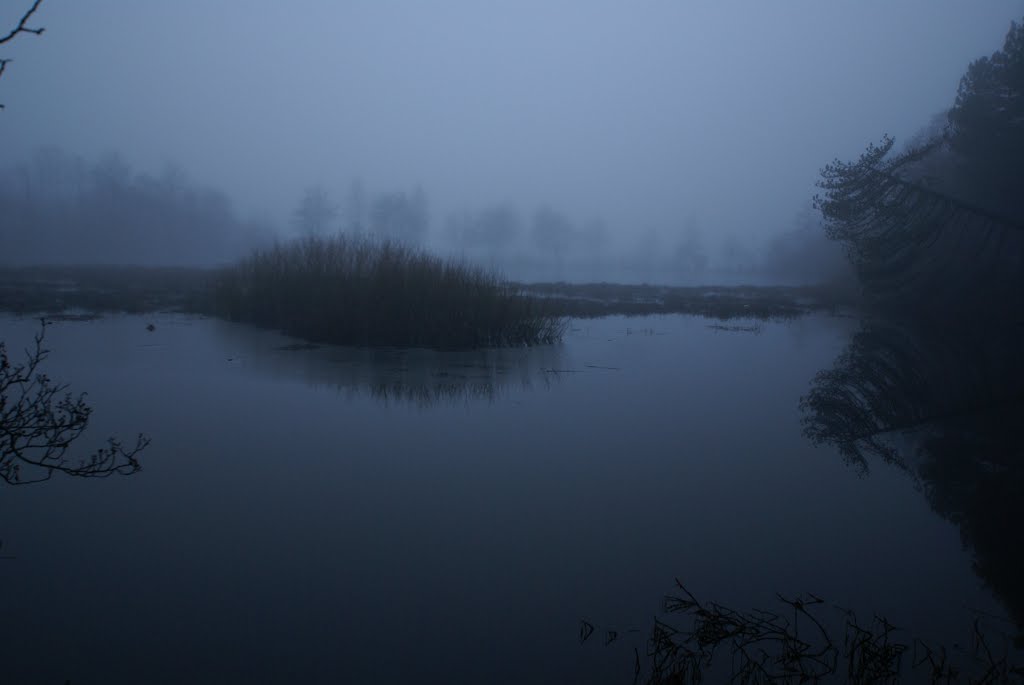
[(941, 224), (986, 127), (910, 241), (21, 27)]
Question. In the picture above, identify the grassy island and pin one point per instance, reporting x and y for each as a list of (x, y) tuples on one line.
[(352, 291)]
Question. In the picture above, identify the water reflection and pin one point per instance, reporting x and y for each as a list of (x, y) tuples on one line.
[(417, 377), (947, 407)]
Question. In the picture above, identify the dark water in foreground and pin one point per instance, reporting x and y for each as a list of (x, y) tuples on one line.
[(333, 515)]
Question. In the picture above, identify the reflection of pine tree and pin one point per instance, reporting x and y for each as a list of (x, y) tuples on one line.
[(895, 378), (972, 472), (948, 409)]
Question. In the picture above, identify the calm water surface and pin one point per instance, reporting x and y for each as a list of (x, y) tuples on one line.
[(336, 515)]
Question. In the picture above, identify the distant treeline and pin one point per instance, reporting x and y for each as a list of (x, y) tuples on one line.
[(56, 208), (548, 244)]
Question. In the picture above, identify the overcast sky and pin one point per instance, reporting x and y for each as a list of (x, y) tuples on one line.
[(645, 113)]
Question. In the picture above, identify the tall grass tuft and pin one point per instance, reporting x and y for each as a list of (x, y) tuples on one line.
[(354, 291)]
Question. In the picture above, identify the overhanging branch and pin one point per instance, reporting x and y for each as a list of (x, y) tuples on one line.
[(21, 27)]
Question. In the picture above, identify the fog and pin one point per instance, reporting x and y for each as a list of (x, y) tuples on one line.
[(511, 341), (691, 128)]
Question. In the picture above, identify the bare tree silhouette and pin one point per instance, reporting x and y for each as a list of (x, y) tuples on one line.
[(40, 420)]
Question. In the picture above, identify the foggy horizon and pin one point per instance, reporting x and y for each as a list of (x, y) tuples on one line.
[(647, 119)]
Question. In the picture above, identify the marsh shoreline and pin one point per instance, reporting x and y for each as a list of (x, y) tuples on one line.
[(139, 289)]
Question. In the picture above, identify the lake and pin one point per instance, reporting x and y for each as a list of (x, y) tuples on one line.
[(339, 515)]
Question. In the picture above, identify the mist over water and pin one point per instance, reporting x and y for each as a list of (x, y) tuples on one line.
[(463, 341), (299, 516)]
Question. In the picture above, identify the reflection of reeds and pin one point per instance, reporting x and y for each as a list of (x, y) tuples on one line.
[(797, 645), (417, 377), (362, 292), (423, 395)]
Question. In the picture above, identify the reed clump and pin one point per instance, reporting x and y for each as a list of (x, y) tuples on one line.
[(354, 291)]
